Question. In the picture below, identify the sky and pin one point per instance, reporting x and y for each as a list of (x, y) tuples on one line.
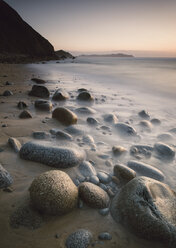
[(139, 27)]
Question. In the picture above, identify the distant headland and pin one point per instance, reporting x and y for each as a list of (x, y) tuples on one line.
[(119, 55)]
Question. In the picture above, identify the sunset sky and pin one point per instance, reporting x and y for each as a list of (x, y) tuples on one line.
[(141, 27)]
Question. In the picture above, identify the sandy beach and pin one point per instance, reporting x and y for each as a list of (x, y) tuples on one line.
[(123, 101)]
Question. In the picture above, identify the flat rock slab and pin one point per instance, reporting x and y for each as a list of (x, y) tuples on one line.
[(52, 155), (147, 208), (146, 170)]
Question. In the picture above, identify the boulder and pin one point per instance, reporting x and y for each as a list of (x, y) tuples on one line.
[(85, 110), (22, 105), (15, 144), (124, 129), (86, 169), (92, 121), (147, 208), (164, 151), (146, 170), (7, 93), (54, 193), (93, 195), (25, 115), (144, 115), (144, 150), (38, 80), (118, 150), (39, 91), (43, 105), (80, 239), (123, 173), (111, 118), (75, 130), (64, 116), (85, 96), (52, 155), (60, 95), (145, 125), (5, 178)]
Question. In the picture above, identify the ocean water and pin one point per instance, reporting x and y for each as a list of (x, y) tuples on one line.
[(156, 76)]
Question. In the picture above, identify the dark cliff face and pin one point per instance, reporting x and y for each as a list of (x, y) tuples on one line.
[(18, 39)]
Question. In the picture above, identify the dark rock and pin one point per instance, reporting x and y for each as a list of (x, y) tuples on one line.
[(64, 116), (105, 236), (22, 105), (61, 54), (5, 178), (143, 114), (85, 96), (38, 80), (93, 195), (123, 173), (60, 95), (49, 154), (39, 91), (155, 121), (146, 170), (144, 150), (7, 93), (53, 192), (15, 144), (104, 211), (19, 41), (103, 177), (25, 115), (147, 208), (82, 89), (43, 105), (40, 135), (80, 239), (124, 129), (85, 110), (164, 151), (75, 129), (92, 121)]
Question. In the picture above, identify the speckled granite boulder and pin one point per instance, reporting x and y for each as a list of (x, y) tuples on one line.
[(64, 116), (147, 208), (5, 178), (79, 239), (53, 192), (55, 156), (146, 170), (60, 95), (93, 195), (39, 91)]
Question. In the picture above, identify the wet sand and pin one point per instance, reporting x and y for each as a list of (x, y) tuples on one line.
[(126, 104)]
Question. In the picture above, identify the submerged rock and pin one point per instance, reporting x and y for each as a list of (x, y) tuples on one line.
[(22, 105), (5, 178), (146, 125), (146, 170), (40, 135), (43, 105), (7, 93), (15, 144), (85, 110), (92, 121), (64, 116), (118, 150), (52, 155), (104, 177), (144, 150), (144, 114), (39, 91), (25, 115), (105, 236), (147, 208), (155, 121), (60, 95), (164, 151), (93, 195), (85, 96), (124, 129), (75, 129), (80, 239), (53, 192), (165, 137)]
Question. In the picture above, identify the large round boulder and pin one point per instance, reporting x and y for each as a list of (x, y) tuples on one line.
[(64, 116), (43, 105), (53, 192), (147, 208), (85, 96), (52, 155), (93, 195)]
